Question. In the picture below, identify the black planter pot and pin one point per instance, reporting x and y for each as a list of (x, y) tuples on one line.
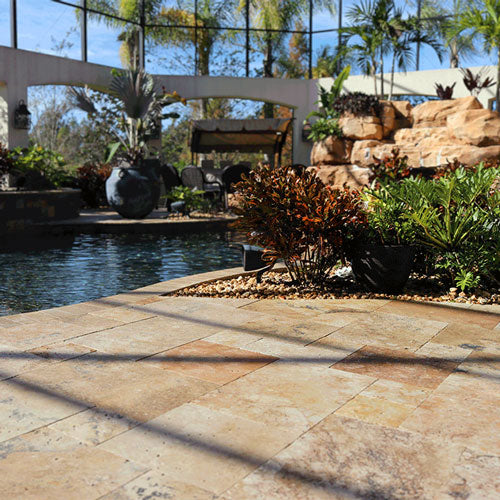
[(383, 268), (134, 191)]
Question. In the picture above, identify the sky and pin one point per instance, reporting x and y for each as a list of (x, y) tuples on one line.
[(44, 24)]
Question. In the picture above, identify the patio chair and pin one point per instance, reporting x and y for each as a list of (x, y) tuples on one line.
[(193, 178), (230, 176), (170, 178)]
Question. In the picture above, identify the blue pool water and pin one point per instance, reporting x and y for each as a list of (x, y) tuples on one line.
[(51, 272)]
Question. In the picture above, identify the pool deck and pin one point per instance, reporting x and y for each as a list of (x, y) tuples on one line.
[(145, 396), (158, 221)]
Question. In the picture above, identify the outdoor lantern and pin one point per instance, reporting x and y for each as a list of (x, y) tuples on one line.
[(22, 116), (306, 130)]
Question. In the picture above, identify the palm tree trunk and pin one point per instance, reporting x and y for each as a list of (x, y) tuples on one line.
[(374, 74), (381, 74), (392, 75)]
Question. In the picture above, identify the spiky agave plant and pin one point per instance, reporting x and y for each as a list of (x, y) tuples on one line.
[(140, 104)]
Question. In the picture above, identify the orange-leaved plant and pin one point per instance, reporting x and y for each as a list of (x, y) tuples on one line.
[(295, 217)]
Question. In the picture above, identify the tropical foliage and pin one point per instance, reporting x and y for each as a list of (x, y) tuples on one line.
[(295, 217)]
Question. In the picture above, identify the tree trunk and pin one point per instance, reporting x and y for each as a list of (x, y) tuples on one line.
[(453, 55), (392, 76), (374, 74), (381, 75)]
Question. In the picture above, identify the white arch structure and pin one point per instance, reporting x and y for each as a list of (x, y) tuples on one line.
[(21, 69)]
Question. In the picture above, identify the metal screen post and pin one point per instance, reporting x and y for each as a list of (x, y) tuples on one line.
[(310, 38), (419, 11), (339, 37), (142, 36), (195, 37), (247, 38), (83, 30), (13, 24)]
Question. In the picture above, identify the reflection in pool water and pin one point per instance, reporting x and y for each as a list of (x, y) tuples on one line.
[(59, 271)]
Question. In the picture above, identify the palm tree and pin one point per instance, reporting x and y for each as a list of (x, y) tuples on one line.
[(437, 20), (482, 20)]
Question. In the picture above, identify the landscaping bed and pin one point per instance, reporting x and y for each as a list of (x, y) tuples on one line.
[(277, 285)]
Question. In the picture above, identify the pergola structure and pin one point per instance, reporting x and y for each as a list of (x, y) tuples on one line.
[(266, 135)]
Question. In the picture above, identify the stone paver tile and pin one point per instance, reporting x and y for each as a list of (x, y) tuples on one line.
[(91, 323), (475, 475), (30, 335), (449, 352), (311, 354), (289, 396), (462, 411), (24, 407), (47, 465), (14, 360), (200, 446), (375, 410), (5, 322), (155, 484), (144, 338), (389, 330), (61, 351), (400, 366), (95, 425), (282, 309), (468, 336), (234, 338), (483, 365), (404, 394), (448, 314), (147, 395), (344, 458), (211, 362), (122, 314)]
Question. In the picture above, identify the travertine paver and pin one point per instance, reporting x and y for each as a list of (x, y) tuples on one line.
[(145, 396)]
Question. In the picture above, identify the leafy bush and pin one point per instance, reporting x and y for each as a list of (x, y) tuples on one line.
[(444, 93), (91, 179), (327, 118), (40, 168), (392, 167), (325, 127), (295, 217), (193, 198), (357, 103), (457, 219), (6, 160)]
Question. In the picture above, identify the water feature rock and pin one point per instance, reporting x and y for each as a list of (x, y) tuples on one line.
[(337, 175), (331, 150), (403, 109), (361, 127), (387, 117), (435, 113), (478, 127), (363, 152)]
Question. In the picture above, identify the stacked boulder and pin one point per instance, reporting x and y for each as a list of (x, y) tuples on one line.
[(430, 134)]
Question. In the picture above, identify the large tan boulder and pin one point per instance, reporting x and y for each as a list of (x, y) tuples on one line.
[(363, 152), (361, 127), (331, 151), (339, 175), (478, 127), (435, 113), (387, 117), (426, 137), (469, 155)]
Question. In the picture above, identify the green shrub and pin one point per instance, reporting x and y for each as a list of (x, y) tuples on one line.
[(457, 219), (193, 198), (295, 217), (325, 127), (91, 179), (6, 160), (41, 168)]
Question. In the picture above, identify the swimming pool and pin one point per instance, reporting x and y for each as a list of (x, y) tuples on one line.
[(50, 272)]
